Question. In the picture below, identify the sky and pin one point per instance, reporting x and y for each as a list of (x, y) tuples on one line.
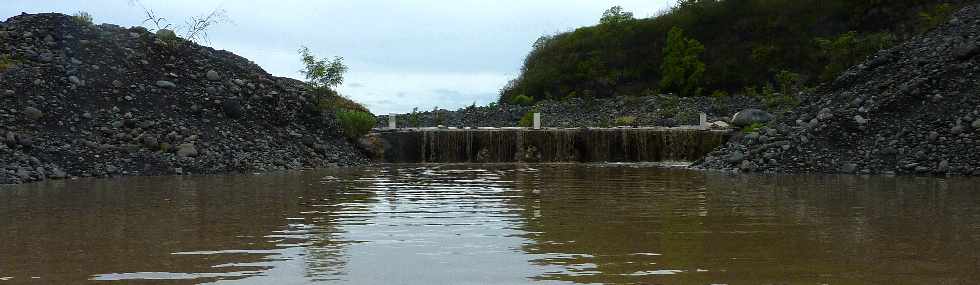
[(402, 54)]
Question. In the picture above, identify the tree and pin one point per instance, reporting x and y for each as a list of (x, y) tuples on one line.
[(321, 73), (615, 15), (682, 70)]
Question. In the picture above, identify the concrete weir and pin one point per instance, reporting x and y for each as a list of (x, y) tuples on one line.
[(547, 145)]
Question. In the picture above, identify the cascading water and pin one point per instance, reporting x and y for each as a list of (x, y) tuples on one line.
[(555, 145)]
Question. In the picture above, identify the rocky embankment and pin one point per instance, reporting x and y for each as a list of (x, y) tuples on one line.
[(80, 100), (911, 109), (662, 110)]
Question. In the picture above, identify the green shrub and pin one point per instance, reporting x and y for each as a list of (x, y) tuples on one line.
[(322, 72), (438, 117), (328, 100), (492, 105), (82, 18), (751, 91), (527, 120), (522, 100), (682, 70), (669, 106), (934, 17), (719, 94), (754, 127), (355, 123), (413, 119), (849, 49), (6, 62), (688, 117), (626, 121)]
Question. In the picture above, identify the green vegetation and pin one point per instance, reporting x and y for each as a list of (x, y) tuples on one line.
[(321, 76), (848, 49), (321, 73), (682, 70), (753, 128), (329, 100), (626, 121), (935, 16), (438, 117), (527, 120), (522, 100), (355, 123), (414, 119), (6, 62), (669, 105), (731, 46), (169, 37), (82, 18)]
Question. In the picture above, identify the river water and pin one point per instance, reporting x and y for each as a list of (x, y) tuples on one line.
[(493, 224)]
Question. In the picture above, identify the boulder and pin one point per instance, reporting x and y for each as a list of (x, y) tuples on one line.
[(33, 113), (748, 117), (213, 75), (232, 109), (166, 84), (186, 150)]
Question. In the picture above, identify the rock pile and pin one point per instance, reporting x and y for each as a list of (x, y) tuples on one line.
[(84, 100), (911, 109), (662, 110)]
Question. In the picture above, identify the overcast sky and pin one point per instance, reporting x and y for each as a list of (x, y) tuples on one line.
[(402, 54)]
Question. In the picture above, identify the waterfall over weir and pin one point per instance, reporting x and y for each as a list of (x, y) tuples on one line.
[(548, 145)]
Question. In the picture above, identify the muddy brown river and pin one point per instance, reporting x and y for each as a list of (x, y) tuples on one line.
[(493, 224)]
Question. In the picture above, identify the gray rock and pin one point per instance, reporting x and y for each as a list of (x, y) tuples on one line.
[(74, 80), (151, 142), (966, 50), (57, 173), (958, 129), (933, 136), (213, 75), (166, 84), (33, 113), (943, 167), (748, 117), (746, 166), (117, 83), (848, 168), (976, 124), (166, 34), (11, 93), (186, 150), (232, 109), (860, 120), (736, 157), (825, 114)]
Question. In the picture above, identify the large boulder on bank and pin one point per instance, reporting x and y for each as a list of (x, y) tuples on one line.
[(748, 117)]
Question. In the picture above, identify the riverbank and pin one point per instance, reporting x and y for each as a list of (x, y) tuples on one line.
[(82, 100), (911, 109)]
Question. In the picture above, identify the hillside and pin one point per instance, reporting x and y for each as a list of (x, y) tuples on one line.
[(747, 44), (79, 100), (910, 109)]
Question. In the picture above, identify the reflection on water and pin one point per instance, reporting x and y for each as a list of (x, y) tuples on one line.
[(494, 224)]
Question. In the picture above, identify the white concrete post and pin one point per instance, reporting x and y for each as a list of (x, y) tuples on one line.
[(537, 121), (704, 120), (392, 124)]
